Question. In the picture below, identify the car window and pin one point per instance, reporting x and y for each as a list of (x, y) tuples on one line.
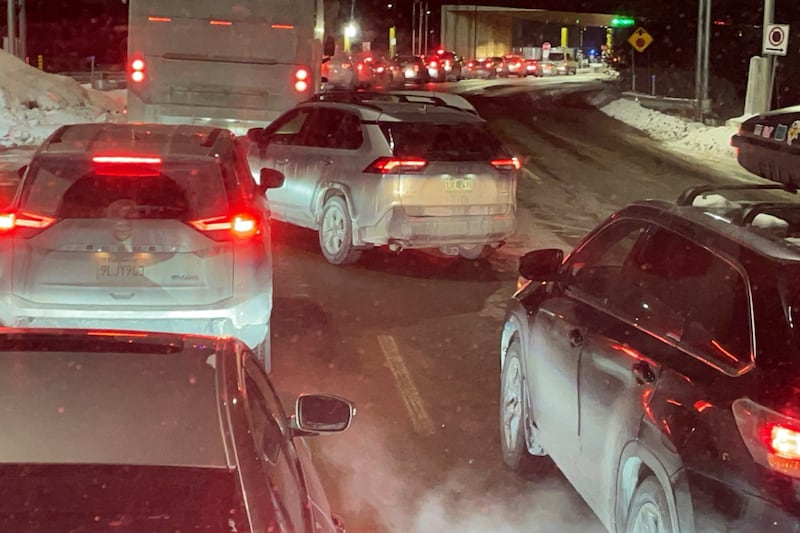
[(704, 292), (288, 130), (595, 268), (276, 452), (443, 142), (245, 178), (556, 56), (333, 128), (77, 189)]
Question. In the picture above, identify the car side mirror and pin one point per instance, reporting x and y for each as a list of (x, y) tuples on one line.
[(257, 135), (270, 179), (323, 413), (329, 46), (541, 265)]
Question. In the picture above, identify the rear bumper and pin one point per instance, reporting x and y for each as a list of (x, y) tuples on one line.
[(718, 506), (247, 320), (436, 231)]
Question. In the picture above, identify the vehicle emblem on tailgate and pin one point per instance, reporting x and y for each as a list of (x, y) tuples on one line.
[(121, 230)]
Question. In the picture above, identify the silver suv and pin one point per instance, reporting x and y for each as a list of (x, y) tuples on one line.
[(403, 169), (140, 227)]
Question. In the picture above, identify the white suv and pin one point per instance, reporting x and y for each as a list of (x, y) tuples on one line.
[(402, 169), (141, 227)]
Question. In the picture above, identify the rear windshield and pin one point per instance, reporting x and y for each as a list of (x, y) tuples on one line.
[(78, 189), (556, 56), (443, 142)]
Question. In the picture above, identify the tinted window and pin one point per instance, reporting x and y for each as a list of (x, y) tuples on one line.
[(556, 56), (706, 292), (287, 129), (443, 142), (331, 128), (276, 455), (77, 189), (596, 268)]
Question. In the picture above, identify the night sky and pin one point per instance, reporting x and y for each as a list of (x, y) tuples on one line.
[(66, 32)]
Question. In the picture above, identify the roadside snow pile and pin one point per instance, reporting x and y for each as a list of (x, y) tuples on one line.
[(34, 103), (673, 131)]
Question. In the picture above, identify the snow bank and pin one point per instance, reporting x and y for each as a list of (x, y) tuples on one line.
[(675, 132), (34, 103)]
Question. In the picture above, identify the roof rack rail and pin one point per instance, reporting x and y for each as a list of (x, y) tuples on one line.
[(775, 209), (451, 101), (688, 196)]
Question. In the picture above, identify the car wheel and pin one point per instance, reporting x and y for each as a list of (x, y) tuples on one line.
[(649, 510), (475, 252), (336, 233), (262, 353), (513, 416)]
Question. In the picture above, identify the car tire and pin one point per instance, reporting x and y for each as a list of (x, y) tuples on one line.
[(649, 509), (476, 252), (513, 415), (336, 233)]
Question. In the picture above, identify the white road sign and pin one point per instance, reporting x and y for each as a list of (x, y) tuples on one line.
[(776, 39)]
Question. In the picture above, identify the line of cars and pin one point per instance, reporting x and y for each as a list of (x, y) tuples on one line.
[(135, 304), (656, 364)]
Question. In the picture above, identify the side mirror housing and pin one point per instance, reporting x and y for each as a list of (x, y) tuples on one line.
[(270, 179), (256, 134), (323, 413), (541, 265)]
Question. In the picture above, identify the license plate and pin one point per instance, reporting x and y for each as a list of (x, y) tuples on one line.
[(457, 185), (114, 269)]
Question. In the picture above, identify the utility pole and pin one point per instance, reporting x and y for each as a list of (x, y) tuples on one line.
[(769, 67), (22, 53), (701, 64), (12, 23)]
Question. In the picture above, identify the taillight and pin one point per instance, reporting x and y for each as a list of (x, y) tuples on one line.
[(511, 163), (122, 165), (224, 228), (137, 72), (772, 438), (25, 223), (433, 64), (301, 80), (387, 165)]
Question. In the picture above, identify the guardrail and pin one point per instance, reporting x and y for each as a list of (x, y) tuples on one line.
[(102, 80)]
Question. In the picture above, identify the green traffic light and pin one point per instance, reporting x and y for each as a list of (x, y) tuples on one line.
[(622, 22)]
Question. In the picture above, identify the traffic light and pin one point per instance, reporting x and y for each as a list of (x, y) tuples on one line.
[(622, 22)]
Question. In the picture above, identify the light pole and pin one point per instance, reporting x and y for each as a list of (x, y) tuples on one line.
[(12, 21), (769, 67)]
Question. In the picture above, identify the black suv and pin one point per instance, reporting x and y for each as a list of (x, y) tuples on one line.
[(657, 364)]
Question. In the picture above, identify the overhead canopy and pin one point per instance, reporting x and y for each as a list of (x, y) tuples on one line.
[(570, 18)]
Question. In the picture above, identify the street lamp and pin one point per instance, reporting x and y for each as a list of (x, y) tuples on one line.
[(350, 31)]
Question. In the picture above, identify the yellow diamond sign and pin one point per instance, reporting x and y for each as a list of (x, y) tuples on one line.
[(640, 39)]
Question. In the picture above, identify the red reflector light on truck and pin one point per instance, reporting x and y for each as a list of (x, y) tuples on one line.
[(137, 70)]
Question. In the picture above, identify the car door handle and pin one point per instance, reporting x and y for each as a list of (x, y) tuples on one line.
[(122, 295), (575, 338), (327, 161), (281, 161), (643, 372)]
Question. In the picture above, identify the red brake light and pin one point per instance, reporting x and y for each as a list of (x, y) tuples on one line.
[(220, 22), (159, 19), (506, 164), (144, 160), (387, 165), (23, 220), (225, 227), (137, 70), (434, 63), (772, 438), (282, 27)]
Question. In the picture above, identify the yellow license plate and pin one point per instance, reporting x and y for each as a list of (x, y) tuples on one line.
[(115, 269), (457, 185)]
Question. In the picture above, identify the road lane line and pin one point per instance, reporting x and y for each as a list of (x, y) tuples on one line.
[(408, 392)]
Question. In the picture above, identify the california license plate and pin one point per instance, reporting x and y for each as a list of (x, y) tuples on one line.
[(457, 185), (115, 269)]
